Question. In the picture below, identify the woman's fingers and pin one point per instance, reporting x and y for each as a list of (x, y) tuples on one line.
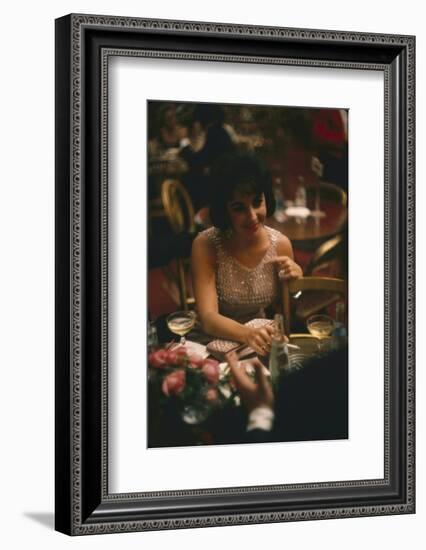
[(286, 267), (260, 347), (260, 339), (263, 340), (289, 274), (265, 335), (284, 262), (270, 328), (277, 259)]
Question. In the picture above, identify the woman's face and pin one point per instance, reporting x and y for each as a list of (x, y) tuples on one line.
[(247, 213)]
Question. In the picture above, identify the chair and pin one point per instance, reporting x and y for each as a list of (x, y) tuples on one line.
[(328, 252), (328, 191), (179, 212), (335, 288), (325, 262), (178, 206)]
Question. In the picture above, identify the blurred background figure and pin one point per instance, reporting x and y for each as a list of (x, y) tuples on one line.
[(330, 137), (208, 140), (170, 131)]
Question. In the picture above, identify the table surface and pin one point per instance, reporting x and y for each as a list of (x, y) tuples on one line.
[(310, 228)]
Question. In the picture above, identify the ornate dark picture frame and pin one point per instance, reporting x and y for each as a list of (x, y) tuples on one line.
[(84, 44)]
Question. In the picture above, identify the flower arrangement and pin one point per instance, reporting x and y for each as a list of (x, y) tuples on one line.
[(192, 382)]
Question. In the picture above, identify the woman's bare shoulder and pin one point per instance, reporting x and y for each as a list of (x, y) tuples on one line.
[(205, 238), (284, 247), (203, 245)]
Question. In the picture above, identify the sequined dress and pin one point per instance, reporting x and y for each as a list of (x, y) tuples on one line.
[(243, 292)]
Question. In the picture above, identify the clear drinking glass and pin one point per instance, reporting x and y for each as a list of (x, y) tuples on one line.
[(320, 326), (180, 323)]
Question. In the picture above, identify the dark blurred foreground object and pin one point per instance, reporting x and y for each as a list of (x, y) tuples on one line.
[(311, 403)]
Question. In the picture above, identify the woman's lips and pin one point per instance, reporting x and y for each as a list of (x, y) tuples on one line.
[(253, 227)]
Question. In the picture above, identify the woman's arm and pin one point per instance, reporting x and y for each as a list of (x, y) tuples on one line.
[(203, 266), (286, 266), (285, 260)]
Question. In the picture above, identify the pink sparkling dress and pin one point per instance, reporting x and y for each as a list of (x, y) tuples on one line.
[(243, 292)]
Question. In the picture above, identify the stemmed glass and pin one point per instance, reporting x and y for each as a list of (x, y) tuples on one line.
[(320, 326), (180, 323)]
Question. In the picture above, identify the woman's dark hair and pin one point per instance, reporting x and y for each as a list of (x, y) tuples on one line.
[(237, 172)]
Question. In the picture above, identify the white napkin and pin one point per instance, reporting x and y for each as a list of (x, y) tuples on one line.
[(196, 349), (297, 212)]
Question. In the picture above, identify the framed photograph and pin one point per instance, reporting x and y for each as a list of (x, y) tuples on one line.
[(235, 188)]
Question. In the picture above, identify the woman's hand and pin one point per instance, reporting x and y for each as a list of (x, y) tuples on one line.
[(259, 338), (287, 268)]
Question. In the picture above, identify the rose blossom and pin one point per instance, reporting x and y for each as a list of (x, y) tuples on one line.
[(173, 383), (181, 351), (210, 370), (158, 358), (195, 361), (172, 357), (177, 356)]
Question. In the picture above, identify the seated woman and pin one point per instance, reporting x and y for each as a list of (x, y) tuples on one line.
[(237, 263)]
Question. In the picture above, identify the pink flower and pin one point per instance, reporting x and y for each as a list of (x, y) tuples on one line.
[(177, 356), (196, 361), (210, 370), (172, 357), (173, 383), (211, 395), (163, 357), (158, 358), (181, 351)]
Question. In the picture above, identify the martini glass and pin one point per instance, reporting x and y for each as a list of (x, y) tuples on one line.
[(320, 326), (180, 323)]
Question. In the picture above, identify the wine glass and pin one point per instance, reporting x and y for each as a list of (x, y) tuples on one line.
[(320, 326), (180, 323)]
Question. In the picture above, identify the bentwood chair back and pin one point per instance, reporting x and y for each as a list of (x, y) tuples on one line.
[(178, 206), (336, 289), (331, 192), (179, 211), (328, 252)]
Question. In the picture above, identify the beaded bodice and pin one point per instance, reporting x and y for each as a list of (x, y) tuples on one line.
[(243, 292)]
